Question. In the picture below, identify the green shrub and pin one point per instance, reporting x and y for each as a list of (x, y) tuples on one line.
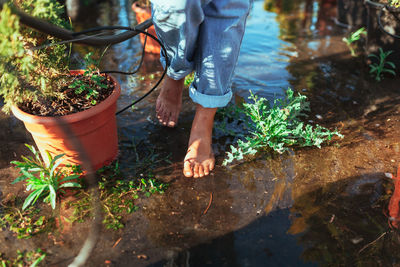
[(277, 127), (27, 73)]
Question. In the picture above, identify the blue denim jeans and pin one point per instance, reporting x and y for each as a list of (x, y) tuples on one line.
[(203, 36)]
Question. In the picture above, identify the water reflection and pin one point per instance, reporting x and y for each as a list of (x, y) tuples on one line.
[(245, 225), (310, 207), (343, 224), (294, 17), (264, 56), (276, 32)]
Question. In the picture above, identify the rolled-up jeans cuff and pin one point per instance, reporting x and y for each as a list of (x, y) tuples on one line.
[(209, 101), (176, 75)]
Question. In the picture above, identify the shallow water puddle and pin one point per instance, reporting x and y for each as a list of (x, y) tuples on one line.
[(309, 207)]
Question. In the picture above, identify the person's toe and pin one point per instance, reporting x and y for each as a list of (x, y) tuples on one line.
[(187, 169), (165, 118), (212, 165), (159, 112), (201, 171), (206, 169), (173, 119), (196, 170)]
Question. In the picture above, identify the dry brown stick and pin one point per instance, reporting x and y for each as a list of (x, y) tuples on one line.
[(117, 242), (209, 203)]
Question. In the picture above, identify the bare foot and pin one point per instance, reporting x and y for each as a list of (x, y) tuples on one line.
[(199, 160), (169, 102)]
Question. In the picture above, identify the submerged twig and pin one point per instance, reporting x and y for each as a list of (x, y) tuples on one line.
[(117, 242), (209, 203), (371, 243)]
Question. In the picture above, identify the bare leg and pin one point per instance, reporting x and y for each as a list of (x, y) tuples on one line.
[(169, 102), (199, 160)]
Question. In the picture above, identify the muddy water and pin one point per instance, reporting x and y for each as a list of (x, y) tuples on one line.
[(309, 207)]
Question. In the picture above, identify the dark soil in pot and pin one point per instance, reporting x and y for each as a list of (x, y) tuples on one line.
[(70, 102)]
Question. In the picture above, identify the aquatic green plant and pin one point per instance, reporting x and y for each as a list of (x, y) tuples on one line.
[(44, 179), (117, 196), (24, 258), (24, 223), (382, 66), (189, 79), (352, 38), (277, 127)]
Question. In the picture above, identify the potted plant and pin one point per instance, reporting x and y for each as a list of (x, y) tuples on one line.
[(383, 28), (142, 11), (61, 108)]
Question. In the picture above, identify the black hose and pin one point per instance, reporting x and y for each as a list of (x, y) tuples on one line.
[(71, 37), (68, 35), (382, 8), (164, 51)]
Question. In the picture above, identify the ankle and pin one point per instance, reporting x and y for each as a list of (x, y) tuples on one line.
[(204, 118), (175, 82), (202, 125)]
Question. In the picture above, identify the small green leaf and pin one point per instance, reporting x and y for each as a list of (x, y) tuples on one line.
[(391, 64), (71, 177), (28, 174), (56, 164), (19, 179), (31, 199), (38, 260), (70, 184), (52, 196)]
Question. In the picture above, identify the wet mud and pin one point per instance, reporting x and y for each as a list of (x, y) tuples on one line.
[(309, 207)]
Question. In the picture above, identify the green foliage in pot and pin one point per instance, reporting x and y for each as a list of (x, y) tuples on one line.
[(27, 73), (92, 73), (394, 3)]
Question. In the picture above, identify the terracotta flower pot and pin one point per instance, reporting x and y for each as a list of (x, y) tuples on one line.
[(142, 14), (95, 128)]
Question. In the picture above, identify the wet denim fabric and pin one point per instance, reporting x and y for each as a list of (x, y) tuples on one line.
[(202, 36)]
